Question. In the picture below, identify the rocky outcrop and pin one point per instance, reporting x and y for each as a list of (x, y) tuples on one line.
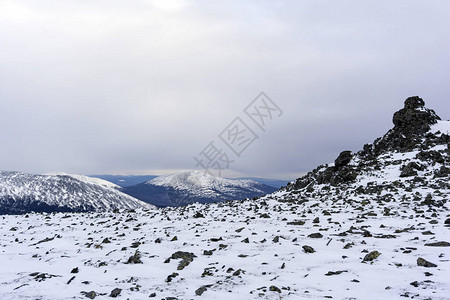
[(411, 126), (411, 131)]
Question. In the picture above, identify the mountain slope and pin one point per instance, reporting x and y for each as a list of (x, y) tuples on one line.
[(411, 160), (186, 187), (363, 227), (270, 182), (21, 193)]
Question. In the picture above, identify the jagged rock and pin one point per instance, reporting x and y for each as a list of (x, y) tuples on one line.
[(135, 258), (186, 259), (410, 124), (343, 159), (414, 117), (171, 276), (424, 263)]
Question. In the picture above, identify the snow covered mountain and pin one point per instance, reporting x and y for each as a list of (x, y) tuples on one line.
[(372, 225), (21, 193), (187, 187)]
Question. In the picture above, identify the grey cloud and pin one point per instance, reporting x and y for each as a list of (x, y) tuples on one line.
[(104, 86)]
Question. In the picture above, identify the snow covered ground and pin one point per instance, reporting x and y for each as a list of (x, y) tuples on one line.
[(243, 250)]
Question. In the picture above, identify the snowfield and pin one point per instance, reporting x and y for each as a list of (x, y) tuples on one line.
[(243, 250)]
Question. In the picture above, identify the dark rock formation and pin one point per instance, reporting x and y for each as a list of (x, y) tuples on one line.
[(343, 159), (411, 124), (411, 131)]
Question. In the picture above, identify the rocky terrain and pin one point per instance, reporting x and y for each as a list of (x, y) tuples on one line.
[(372, 225)]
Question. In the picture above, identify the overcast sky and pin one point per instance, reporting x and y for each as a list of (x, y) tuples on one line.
[(141, 87)]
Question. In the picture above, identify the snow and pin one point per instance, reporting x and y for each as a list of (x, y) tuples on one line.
[(78, 243), (198, 179), (72, 191), (442, 126), (204, 185)]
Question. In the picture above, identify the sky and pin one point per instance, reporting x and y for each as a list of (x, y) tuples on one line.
[(143, 87)]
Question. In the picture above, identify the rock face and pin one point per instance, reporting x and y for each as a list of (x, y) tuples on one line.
[(410, 125), (343, 159), (414, 118), (411, 132)]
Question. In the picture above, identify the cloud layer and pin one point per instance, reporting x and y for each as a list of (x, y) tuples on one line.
[(142, 87)]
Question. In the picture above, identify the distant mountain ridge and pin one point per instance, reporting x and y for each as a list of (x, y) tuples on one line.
[(125, 180), (187, 187), (22, 193), (129, 180)]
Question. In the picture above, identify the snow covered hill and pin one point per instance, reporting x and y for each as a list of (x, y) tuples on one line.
[(22, 193), (187, 187), (372, 225)]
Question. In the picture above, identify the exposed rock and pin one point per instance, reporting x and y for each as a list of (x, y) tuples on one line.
[(90, 295), (186, 259), (273, 288), (438, 244), (331, 273), (371, 256), (414, 118), (410, 169), (424, 263), (308, 249), (135, 258), (316, 235), (343, 159), (115, 292), (201, 290)]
